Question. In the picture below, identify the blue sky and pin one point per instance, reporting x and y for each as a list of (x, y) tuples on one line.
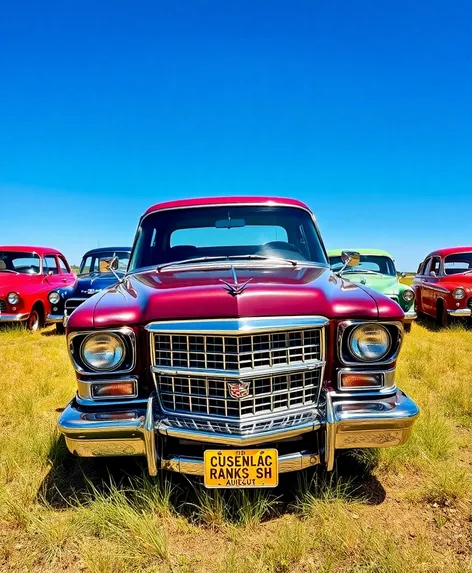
[(361, 109)]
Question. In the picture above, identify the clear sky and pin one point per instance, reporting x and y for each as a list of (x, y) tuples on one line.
[(362, 109)]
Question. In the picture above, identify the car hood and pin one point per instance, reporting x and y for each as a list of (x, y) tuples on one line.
[(189, 293), (11, 282), (382, 283), (87, 285)]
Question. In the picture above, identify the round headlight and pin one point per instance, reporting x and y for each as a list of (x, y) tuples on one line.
[(408, 295), (458, 293), (54, 297), (370, 342), (102, 351), (13, 298)]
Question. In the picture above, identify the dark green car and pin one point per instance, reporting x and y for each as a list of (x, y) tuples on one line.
[(376, 270)]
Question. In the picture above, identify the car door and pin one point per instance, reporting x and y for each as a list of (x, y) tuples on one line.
[(53, 278), (429, 285), (67, 276)]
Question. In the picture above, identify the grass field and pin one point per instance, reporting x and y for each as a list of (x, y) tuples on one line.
[(406, 509)]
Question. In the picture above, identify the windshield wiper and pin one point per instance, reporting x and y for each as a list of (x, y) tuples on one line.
[(228, 258)]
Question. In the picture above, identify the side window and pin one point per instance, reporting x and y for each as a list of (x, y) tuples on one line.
[(50, 265), (435, 265), (63, 265), (420, 269), (427, 266)]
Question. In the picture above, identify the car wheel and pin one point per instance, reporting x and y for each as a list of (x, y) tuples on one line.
[(33, 324), (442, 318), (407, 327), (60, 328)]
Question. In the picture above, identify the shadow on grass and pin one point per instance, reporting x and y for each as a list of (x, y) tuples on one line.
[(430, 324), (72, 481)]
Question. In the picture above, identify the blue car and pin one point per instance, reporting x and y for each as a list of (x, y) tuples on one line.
[(94, 275)]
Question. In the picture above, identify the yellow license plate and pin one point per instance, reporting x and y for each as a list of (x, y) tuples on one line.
[(241, 468)]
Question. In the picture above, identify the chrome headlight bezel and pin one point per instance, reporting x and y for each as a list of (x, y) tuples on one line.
[(115, 347), (348, 358), (56, 300), (458, 293), (411, 295), (76, 340), (13, 298), (361, 329)]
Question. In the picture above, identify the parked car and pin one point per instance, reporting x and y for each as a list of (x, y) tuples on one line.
[(231, 351), (443, 284), (27, 274), (376, 270), (93, 276)]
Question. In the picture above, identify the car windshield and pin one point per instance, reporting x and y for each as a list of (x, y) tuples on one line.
[(20, 262), (368, 263), (98, 262), (219, 232), (458, 263)]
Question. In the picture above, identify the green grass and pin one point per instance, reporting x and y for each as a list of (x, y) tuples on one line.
[(384, 511)]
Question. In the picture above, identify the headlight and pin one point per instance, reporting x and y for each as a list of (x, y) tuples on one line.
[(370, 342), (458, 293), (408, 295), (13, 298), (102, 351), (54, 297)]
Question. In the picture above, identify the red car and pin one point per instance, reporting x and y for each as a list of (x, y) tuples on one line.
[(27, 276), (443, 284), (231, 350)]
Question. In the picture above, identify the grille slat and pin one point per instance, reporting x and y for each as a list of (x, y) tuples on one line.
[(243, 353), (71, 304), (3, 306)]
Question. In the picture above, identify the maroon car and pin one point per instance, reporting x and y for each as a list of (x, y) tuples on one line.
[(443, 284), (231, 351)]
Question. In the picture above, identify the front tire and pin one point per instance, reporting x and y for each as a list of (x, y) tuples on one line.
[(442, 318), (33, 324), (407, 328)]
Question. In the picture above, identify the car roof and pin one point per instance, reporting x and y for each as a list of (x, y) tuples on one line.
[(337, 252), (449, 251), (99, 250), (38, 250), (215, 201)]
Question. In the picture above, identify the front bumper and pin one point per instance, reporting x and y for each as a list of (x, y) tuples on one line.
[(410, 316), (10, 317), (55, 318), (460, 312), (137, 431)]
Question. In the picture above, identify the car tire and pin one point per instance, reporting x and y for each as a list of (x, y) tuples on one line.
[(33, 323), (60, 328), (442, 318), (407, 328)]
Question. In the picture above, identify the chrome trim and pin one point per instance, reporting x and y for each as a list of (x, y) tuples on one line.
[(85, 395), (286, 463), (79, 300), (123, 331), (410, 315), (342, 326), (271, 371), (460, 312), (240, 204), (93, 369), (150, 439), (10, 317), (55, 318), (388, 375), (363, 360), (236, 326)]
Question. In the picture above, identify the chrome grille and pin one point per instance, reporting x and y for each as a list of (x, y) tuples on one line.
[(211, 396), (237, 353), (469, 303), (72, 304), (3, 306)]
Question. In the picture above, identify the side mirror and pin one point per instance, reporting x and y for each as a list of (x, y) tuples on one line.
[(50, 273), (433, 274), (350, 258), (114, 264)]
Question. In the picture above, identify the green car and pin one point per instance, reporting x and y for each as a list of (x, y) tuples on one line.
[(376, 270)]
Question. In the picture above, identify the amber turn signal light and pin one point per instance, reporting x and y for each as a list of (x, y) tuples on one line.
[(358, 381), (113, 389)]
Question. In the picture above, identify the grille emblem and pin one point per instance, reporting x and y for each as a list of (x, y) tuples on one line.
[(238, 390), (236, 288)]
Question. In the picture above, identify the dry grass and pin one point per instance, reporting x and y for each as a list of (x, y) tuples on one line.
[(387, 511)]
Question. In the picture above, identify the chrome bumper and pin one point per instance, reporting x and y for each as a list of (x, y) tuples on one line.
[(55, 318), (10, 317), (460, 312), (410, 315), (346, 423)]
